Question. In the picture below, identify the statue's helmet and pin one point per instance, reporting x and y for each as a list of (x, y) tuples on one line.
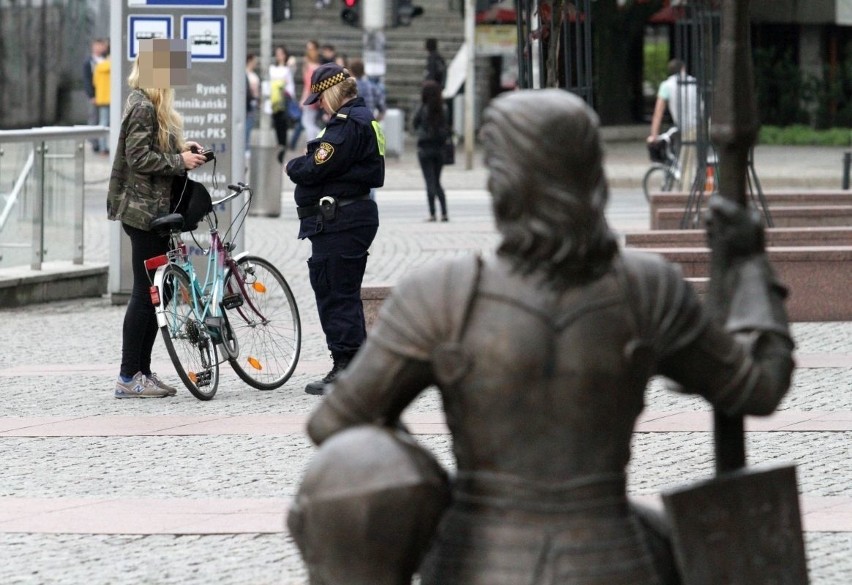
[(368, 507)]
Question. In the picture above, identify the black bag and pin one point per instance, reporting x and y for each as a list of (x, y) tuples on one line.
[(657, 151), (448, 151), (192, 200)]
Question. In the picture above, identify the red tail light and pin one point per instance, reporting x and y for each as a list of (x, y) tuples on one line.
[(156, 262)]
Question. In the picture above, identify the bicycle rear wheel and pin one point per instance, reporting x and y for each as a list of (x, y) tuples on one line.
[(264, 318), (187, 339), (658, 178)]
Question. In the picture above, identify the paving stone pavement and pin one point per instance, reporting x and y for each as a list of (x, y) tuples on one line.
[(60, 359)]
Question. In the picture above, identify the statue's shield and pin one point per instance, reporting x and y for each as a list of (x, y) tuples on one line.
[(739, 528)]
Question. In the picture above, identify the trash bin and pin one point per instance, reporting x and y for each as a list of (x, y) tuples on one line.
[(265, 174), (393, 125)]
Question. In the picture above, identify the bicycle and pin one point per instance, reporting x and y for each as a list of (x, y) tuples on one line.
[(243, 306), (665, 173)]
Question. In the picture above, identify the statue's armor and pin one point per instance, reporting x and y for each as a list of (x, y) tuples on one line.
[(541, 390)]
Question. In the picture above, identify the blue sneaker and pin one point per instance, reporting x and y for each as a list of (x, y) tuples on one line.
[(138, 387)]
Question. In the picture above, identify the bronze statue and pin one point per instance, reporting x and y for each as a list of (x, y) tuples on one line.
[(542, 352)]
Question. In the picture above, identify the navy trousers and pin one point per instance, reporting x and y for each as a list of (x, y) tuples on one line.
[(336, 267)]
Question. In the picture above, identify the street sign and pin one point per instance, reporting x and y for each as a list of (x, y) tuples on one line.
[(211, 103)]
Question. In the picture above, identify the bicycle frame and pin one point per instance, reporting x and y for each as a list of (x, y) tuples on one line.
[(207, 295)]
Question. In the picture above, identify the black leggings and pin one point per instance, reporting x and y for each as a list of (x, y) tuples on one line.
[(431, 163), (140, 321), (279, 122)]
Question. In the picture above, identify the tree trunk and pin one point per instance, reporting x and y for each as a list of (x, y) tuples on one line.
[(618, 39)]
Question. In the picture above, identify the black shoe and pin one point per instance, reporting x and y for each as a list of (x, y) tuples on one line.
[(317, 388), (281, 156)]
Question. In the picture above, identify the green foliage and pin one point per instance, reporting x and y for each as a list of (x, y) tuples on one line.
[(781, 89), (656, 60), (801, 135)]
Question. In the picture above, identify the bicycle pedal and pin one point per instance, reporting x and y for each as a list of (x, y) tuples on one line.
[(232, 301)]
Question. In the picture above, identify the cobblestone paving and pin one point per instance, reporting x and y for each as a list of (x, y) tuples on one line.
[(77, 345)]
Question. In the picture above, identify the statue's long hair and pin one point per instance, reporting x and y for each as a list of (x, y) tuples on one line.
[(546, 177)]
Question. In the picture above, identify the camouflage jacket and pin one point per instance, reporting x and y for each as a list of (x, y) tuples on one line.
[(141, 179)]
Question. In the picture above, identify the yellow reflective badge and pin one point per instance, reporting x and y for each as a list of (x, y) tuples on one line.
[(323, 153), (380, 137)]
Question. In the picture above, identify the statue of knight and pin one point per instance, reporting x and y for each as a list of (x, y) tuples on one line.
[(541, 352)]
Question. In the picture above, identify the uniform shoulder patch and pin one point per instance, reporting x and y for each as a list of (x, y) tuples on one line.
[(323, 153), (342, 116)]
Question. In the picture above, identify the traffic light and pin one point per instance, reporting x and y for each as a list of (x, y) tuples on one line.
[(404, 11), (351, 13)]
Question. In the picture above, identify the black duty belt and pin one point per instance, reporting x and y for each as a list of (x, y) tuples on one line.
[(312, 210)]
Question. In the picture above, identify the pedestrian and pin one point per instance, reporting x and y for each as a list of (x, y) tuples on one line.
[(374, 96), (433, 131), (282, 90), (541, 353), (368, 89), (103, 89), (333, 181), (311, 114), (328, 54), (252, 96), (436, 67), (679, 94), (97, 48), (150, 153)]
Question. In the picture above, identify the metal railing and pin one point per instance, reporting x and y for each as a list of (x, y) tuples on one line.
[(44, 172)]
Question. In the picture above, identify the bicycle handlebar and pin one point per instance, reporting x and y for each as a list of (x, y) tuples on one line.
[(237, 190)]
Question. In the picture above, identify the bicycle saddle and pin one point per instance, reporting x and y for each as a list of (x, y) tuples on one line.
[(168, 223)]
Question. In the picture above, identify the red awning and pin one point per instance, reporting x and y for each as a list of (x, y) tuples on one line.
[(667, 15)]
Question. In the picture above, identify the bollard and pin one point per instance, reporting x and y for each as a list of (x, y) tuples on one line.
[(847, 161), (265, 174)]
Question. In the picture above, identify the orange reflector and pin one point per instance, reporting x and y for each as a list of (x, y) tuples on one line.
[(253, 362), (258, 286), (156, 262), (184, 295), (193, 377)]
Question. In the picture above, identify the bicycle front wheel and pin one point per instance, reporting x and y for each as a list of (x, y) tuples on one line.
[(264, 318), (657, 179), (187, 339)]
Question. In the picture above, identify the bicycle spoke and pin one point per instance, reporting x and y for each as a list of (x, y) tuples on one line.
[(187, 339), (266, 324)]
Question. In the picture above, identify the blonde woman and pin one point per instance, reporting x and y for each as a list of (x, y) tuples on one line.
[(151, 151)]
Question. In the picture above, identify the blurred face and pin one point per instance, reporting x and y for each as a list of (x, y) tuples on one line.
[(280, 55), (163, 63), (311, 50)]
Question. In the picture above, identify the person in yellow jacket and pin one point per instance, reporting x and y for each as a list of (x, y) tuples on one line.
[(101, 82)]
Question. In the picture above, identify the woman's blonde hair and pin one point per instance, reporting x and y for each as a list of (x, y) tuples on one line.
[(169, 122), (337, 94)]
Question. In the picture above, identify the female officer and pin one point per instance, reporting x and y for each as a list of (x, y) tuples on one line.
[(333, 181)]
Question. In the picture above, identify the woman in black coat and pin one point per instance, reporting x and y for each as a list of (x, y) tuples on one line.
[(430, 123)]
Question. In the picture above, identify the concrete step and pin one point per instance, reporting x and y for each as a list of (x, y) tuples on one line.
[(775, 237), (818, 279), (782, 216)]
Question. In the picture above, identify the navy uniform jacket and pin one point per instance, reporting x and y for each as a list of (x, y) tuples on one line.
[(345, 161)]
